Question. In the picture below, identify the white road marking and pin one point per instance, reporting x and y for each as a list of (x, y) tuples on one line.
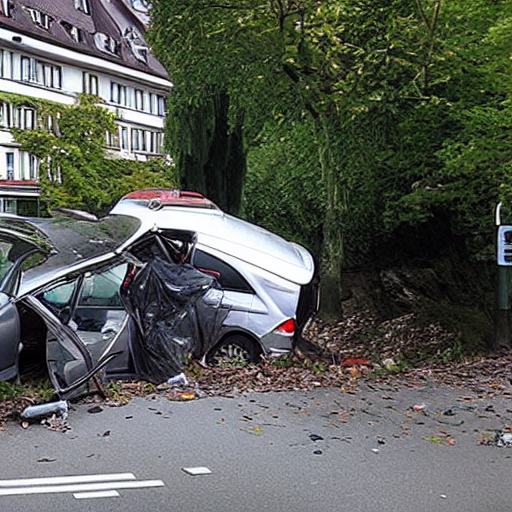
[(98, 494), (66, 480), (100, 486)]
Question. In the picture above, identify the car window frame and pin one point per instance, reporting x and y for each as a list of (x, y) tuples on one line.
[(246, 288)]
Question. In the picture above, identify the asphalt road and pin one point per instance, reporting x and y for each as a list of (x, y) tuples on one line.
[(377, 450)]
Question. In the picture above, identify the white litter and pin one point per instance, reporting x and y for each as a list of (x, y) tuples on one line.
[(197, 471)]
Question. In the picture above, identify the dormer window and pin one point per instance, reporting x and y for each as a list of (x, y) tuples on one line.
[(73, 32), (39, 18), (141, 5), (137, 45), (106, 44), (82, 5)]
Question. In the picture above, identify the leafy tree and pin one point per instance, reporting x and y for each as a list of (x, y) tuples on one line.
[(283, 190), (409, 107), (75, 171)]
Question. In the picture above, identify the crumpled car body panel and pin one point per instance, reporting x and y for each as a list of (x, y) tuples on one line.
[(80, 298)]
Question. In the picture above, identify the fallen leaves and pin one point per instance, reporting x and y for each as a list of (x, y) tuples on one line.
[(338, 355)]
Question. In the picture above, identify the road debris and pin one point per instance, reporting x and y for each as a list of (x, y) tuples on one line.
[(34, 412), (196, 471)]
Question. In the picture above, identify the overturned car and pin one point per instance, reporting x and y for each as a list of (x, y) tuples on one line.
[(166, 276)]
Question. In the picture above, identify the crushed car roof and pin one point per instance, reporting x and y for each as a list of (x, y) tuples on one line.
[(67, 241), (224, 233)]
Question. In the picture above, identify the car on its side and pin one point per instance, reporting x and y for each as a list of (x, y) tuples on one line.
[(164, 276)]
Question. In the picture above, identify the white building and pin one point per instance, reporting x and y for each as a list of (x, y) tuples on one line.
[(56, 49)]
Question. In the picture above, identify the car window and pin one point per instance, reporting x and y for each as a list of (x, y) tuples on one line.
[(227, 276), (5, 264), (103, 289), (59, 299), (59, 296)]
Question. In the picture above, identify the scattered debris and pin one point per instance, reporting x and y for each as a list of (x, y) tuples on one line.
[(56, 423), (201, 470), (178, 380), (95, 410), (503, 438), (34, 412), (255, 430), (441, 437)]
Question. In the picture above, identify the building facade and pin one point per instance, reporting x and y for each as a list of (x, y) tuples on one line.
[(54, 50)]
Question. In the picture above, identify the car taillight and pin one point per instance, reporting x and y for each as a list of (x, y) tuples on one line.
[(287, 327)]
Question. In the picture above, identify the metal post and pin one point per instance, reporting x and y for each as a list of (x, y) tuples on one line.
[(503, 326), (503, 329)]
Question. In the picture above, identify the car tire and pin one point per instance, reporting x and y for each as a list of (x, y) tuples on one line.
[(232, 349)]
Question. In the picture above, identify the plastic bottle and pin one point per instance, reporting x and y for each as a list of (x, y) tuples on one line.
[(40, 411)]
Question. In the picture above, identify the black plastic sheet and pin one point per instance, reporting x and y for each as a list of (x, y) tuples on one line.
[(178, 312)]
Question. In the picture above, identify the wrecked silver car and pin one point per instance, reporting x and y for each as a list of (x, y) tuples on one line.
[(135, 295)]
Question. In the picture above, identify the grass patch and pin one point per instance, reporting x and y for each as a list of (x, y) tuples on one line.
[(40, 391)]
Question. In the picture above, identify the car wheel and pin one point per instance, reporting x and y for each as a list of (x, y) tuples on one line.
[(234, 349)]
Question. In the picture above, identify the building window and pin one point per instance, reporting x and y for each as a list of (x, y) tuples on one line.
[(118, 94), (5, 64), (28, 69), (43, 73), (90, 83), (10, 206), (73, 32), (161, 106), (140, 5), (39, 18), (124, 138), (112, 140), (28, 207), (137, 45), (139, 99), (152, 103), (146, 102), (155, 142), (82, 5), (5, 115), (24, 118), (139, 139), (9, 160), (107, 44), (29, 166)]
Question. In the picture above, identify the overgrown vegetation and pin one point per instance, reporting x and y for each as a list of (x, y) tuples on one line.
[(75, 170), (377, 133)]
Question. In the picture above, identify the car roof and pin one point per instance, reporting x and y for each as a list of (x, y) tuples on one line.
[(70, 243), (224, 233)]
